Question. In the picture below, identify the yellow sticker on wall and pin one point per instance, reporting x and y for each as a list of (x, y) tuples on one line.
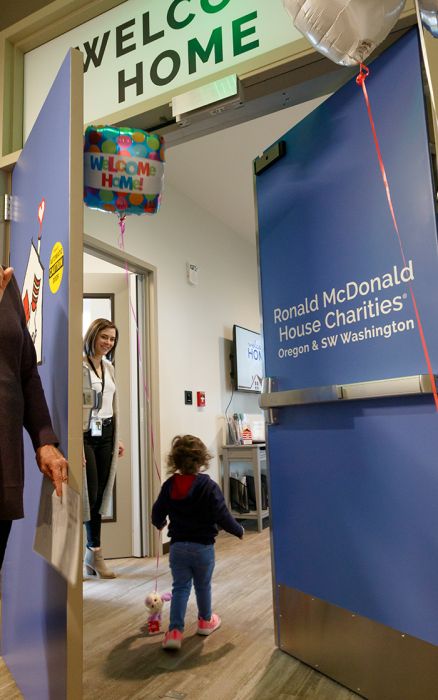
[(56, 267)]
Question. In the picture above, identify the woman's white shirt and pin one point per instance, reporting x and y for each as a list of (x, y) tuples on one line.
[(106, 409)]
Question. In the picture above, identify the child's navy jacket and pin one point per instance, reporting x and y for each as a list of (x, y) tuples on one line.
[(195, 507)]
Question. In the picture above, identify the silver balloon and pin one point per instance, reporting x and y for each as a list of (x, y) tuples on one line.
[(429, 15), (346, 31)]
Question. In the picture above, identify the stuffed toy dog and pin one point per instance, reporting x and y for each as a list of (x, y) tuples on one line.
[(154, 604)]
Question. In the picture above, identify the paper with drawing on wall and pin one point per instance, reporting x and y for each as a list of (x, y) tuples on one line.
[(58, 529)]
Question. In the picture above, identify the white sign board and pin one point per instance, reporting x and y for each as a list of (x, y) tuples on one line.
[(139, 50), (58, 530)]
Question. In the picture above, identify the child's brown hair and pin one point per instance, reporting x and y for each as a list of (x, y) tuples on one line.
[(188, 455)]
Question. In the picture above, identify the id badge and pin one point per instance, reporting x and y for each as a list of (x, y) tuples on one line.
[(96, 427)]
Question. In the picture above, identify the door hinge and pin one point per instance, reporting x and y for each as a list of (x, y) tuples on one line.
[(7, 207)]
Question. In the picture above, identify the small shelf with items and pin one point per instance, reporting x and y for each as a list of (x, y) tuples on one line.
[(245, 482)]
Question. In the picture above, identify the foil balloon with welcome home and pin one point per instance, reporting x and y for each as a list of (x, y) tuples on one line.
[(346, 31), (123, 170)]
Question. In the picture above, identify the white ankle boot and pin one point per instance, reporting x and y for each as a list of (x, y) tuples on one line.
[(95, 565)]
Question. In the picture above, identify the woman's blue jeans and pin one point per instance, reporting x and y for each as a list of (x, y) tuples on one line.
[(190, 561)]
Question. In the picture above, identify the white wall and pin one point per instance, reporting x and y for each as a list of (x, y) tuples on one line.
[(194, 323)]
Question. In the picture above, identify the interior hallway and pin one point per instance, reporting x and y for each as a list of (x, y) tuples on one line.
[(238, 662)]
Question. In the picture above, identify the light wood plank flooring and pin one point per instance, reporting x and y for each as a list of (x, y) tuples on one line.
[(8, 689), (238, 662)]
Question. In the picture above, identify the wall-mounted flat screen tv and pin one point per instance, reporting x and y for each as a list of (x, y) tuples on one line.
[(248, 361)]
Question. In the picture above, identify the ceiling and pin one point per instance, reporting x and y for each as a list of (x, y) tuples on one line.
[(12, 12), (215, 171)]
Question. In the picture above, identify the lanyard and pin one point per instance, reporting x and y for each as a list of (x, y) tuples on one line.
[(102, 378)]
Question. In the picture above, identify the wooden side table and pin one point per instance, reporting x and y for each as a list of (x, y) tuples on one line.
[(246, 459)]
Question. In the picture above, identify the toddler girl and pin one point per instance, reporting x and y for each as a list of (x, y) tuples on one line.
[(195, 506)]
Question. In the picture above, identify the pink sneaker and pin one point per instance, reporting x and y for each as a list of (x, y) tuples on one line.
[(206, 627), (172, 639)]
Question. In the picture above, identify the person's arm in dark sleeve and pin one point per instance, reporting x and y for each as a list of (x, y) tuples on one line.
[(223, 517), (160, 509), (36, 416)]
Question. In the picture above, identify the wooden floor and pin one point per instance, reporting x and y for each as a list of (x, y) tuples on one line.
[(238, 662), (8, 689)]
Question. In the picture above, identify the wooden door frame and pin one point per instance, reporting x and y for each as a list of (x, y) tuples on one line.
[(111, 254)]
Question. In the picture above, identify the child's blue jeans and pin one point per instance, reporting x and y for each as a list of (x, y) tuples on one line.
[(190, 561)]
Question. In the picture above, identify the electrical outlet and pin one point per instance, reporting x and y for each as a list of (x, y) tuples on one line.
[(188, 398)]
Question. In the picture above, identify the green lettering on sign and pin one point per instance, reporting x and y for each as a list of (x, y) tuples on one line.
[(148, 37), (122, 36), (239, 33), (92, 55), (171, 19), (137, 80), (195, 49), (209, 8), (176, 63)]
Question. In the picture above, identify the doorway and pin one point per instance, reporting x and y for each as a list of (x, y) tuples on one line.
[(117, 289)]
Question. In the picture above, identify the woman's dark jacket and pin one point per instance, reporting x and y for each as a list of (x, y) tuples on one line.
[(22, 402)]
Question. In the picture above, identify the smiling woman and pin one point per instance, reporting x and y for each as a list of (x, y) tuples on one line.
[(101, 444)]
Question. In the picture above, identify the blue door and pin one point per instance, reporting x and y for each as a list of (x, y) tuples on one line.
[(354, 484), (46, 247)]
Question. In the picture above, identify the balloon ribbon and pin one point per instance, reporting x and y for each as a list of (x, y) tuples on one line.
[(360, 80), (122, 226)]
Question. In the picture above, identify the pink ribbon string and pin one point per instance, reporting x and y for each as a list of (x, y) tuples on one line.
[(121, 242), (360, 80)]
